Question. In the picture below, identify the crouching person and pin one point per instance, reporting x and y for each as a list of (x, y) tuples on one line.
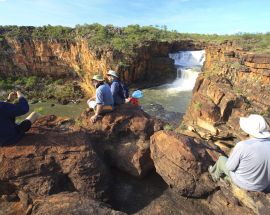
[(103, 101), (10, 132), (248, 165)]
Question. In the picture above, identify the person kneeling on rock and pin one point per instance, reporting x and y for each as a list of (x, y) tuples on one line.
[(248, 165), (10, 132), (103, 101)]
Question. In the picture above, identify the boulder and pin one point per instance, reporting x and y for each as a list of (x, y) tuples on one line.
[(53, 158), (182, 162), (125, 135), (70, 203)]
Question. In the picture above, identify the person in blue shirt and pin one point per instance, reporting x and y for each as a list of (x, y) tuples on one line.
[(116, 88), (10, 132), (103, 101)]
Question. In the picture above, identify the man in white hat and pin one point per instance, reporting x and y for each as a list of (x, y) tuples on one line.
[(248, 165), (116, 88)]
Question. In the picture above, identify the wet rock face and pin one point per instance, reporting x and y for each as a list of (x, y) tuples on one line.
[(50, 160), (182, 163), (125, 135)]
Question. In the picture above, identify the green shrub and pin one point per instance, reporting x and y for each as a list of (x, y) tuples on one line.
[(31, 82), (168, 127)]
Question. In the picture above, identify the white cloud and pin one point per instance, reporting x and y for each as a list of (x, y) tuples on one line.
[(3, 0)]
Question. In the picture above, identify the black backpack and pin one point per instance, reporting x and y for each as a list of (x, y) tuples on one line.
[(123, 90)]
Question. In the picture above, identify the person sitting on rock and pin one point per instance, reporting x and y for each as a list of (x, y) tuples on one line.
[(116, 88), (10, 132), (136, 95), (103, 101), (248, 165)]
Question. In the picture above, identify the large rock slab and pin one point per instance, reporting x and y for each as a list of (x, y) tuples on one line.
[(182, 163), (125, 135), (70, 203), (52, 159)]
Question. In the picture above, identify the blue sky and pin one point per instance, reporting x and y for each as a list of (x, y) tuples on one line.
[(193, 16)]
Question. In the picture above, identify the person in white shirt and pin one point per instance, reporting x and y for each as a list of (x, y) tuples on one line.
[(248, 165)]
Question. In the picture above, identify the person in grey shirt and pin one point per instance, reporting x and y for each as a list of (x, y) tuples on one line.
[(248, 165)]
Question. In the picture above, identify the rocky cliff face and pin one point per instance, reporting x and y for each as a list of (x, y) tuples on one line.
[(75, 59), (233, 83)]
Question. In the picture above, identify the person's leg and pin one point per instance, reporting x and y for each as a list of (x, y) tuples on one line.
[(24, 126), (33, 117), (219, 168), (92, 104)]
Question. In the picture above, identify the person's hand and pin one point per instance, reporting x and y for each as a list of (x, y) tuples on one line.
[(19, 94), (94, 118), (11, 96)]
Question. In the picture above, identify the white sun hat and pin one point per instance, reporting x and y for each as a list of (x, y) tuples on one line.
[(112, 73), (255, 125)]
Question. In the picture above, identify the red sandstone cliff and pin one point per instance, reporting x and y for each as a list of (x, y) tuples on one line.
[(72, 59), (233, 83)]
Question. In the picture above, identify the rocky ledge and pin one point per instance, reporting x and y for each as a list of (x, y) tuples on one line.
[(66, 166)]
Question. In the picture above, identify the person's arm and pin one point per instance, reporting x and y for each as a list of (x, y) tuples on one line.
[(234, 158), (99, 101), (14, 110)]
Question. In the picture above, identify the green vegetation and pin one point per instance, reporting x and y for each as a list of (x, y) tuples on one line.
[(125, 39), (40, 88), (198, 106), (168, 127), (40, 110)]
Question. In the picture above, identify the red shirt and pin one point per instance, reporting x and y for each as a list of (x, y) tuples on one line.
[(134, 101)]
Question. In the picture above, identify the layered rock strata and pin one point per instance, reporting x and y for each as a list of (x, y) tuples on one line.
[(233, 84)]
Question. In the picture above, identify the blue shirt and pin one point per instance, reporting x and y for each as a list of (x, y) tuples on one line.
[(118, 96), (104, 95), (8, 112), (249, 164)]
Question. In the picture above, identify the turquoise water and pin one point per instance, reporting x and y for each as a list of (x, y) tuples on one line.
[(50, 107), (176, 101)]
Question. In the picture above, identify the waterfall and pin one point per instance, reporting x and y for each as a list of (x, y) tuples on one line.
[(188, 58), (189, 64)]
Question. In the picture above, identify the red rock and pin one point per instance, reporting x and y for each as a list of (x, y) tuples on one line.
[(126, 134), (71, 203), (182, 163), (49, 160)]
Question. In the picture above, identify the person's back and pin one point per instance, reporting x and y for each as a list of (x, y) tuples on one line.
[(117, 92), (249, 164), (8, 112), (104, 95)]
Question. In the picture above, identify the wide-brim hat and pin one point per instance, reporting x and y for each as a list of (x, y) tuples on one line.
[(255, 125), (98, 78), (137, 94), (112, 73)]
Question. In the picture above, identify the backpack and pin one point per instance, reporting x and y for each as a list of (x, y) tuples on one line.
[(123, 90)]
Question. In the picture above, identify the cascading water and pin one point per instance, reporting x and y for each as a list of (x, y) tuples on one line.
[(189, 64), (176, 96)]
